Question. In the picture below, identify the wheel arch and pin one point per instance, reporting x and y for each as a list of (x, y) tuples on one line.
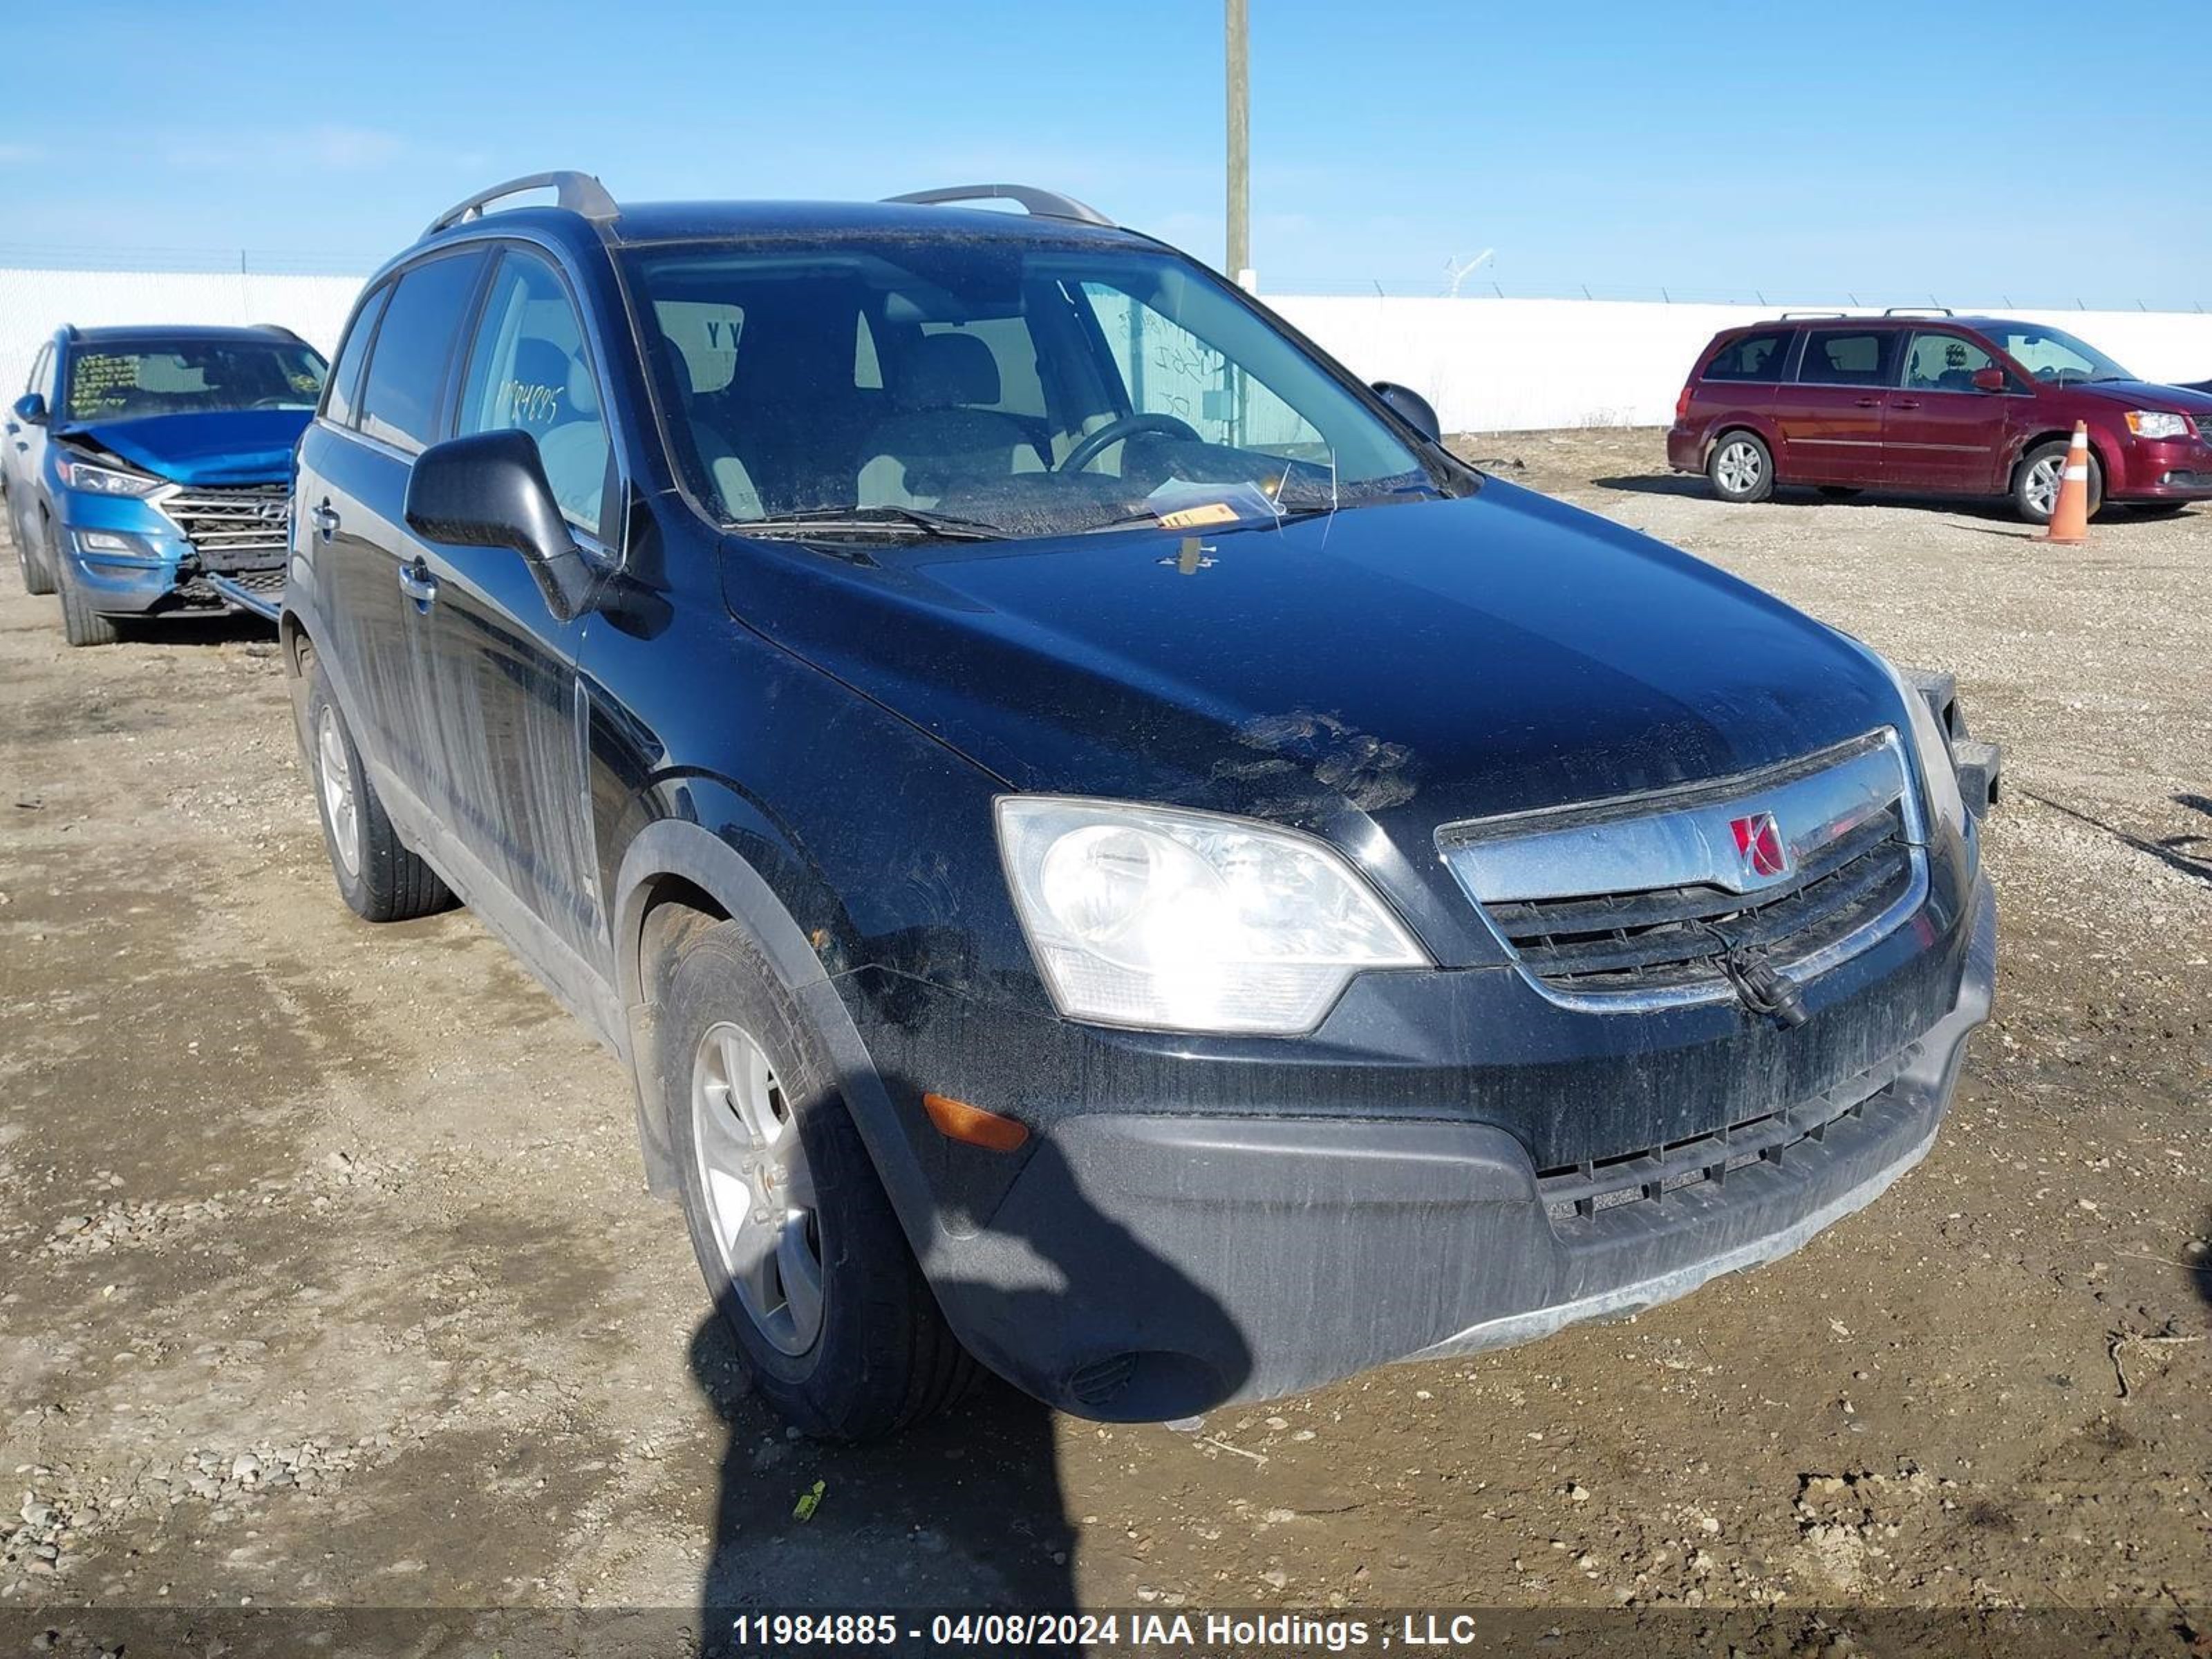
[(676, 869), (2035, 440)]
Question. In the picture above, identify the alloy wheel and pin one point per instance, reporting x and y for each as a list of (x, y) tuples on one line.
[(759, 1191), (2041, 489), (334, 770), (1738, 468)]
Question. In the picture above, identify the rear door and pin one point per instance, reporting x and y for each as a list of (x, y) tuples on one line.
[(352, 494), (503, 664), (1942, 432), (1829, 419)]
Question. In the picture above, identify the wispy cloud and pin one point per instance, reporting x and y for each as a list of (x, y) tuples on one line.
[(353, 147), (326, 149), (12, 154)]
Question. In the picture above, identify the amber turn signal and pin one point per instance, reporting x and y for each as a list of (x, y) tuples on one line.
[(956, 1120)]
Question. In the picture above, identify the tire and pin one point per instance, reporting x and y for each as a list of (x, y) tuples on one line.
[(1740, 467), (2043, 465), (378, 875), (743, 1076), (1841, 492), (81, 623), (35, 562)]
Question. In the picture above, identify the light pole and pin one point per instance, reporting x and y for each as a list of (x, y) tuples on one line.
[(1240, 152)]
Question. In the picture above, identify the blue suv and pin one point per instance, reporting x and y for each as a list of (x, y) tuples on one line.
[(1105, 850), (148, 469)]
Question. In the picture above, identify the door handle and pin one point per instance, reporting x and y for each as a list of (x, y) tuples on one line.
[(416, 582), (325, 519), (1907, 403), (1869, 402)]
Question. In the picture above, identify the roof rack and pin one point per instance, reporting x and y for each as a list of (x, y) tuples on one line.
[(1789, 316), (580, 192), (1042, 203), (279, 330), (1919, 311)]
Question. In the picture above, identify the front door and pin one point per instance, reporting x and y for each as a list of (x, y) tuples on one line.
[(504, 665), (1942, 432), (1829, 419)]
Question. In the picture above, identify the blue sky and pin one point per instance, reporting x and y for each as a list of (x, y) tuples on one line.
[(1716, 149)]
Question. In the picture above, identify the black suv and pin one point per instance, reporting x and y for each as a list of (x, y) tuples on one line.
[(1106, 849)]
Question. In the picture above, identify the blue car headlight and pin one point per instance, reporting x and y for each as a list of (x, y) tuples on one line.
[(96, 480)]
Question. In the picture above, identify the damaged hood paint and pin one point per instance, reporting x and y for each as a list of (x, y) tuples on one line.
[(234, 447), (1418, 664)]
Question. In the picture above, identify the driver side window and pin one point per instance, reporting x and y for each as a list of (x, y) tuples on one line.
[(1166, 369), (529, 371)]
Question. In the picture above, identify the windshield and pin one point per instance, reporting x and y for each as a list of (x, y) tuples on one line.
[(2054, 356), (113, 381), (886, 384)]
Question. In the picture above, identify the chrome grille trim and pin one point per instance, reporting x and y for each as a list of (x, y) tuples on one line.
[(228, 527), (1610, 877)]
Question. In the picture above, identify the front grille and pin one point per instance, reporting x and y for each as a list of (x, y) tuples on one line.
[(1668, 938), (1635, 902), (1579, 1193), (233, 529)]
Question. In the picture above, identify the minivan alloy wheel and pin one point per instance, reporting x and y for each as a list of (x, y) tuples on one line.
[(334, 771), (2041, 487), (1739, 467), (760, 1194)]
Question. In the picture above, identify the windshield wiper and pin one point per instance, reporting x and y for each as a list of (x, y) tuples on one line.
[(870, 521)]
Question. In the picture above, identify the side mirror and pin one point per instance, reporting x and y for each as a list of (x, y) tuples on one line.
[(489, 489), (30, 408), (1412, 408), (1989, 379)]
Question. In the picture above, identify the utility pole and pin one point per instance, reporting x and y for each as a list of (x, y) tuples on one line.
[(1240, 149)]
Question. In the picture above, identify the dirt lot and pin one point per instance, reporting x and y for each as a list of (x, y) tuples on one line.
[(329, 1278)]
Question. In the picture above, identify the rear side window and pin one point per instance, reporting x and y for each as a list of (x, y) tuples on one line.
[(340, 390), (1836, 357), (1753, 357), (399, 399)]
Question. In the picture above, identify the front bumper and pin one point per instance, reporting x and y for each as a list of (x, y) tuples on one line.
[(1143, 1267), (120, 582), (2162, 470)]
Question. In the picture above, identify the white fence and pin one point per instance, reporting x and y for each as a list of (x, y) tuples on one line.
[(1488, 365)]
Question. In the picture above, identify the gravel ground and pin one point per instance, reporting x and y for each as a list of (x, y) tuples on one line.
[(328, 1279)]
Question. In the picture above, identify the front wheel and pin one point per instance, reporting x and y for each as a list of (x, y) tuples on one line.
[(833, 1320), (81, 623), (1741, 468), (36, 565), (2035, 483)]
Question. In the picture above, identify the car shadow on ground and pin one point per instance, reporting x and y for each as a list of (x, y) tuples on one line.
[(2190, 855), (200, 628), (965, 1511)]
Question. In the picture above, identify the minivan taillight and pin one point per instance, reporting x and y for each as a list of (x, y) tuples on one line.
[(1682, 405)]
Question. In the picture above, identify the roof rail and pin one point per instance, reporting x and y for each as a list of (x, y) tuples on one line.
[(1919, 311), (1043, 203), (1788, 316), (580, 192)]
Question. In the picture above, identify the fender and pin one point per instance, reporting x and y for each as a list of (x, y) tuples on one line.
[(691, 853)]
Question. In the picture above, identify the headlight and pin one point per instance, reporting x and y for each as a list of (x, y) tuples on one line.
[(1945, 804), (105, 480), (1188, 922), (2157, 423)]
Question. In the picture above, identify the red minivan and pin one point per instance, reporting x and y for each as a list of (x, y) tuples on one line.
[(1931, 401)]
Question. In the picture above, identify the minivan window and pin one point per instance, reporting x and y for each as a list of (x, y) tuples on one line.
[(340, 394), (999, 362), (1753, 357), (529, 372), (2054, 356), (399, 398), (1836, 356), (1944, 362)]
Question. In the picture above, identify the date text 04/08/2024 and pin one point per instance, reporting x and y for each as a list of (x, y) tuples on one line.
[(1166, 1632)]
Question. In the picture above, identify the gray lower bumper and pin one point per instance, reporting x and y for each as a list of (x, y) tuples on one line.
[(1152, 1266)]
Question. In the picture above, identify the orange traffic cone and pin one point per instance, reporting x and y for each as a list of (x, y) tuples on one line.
[(2070, 520)]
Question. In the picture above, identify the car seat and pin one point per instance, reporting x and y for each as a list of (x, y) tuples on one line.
[(940, 439)]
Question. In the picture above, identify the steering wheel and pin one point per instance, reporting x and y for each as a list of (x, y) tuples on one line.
[(280, 401), (1089, 449)]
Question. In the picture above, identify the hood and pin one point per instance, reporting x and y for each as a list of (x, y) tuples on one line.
[(230, 446), (2145, 394), (1418, 664)]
